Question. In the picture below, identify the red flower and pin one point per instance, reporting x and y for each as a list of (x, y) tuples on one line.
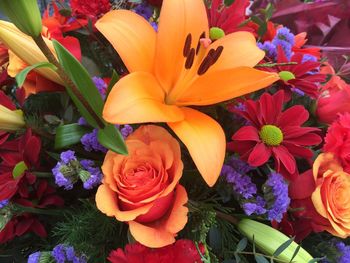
[(25, 149), (182, 251), (299, 75), (5, 101), (155, 2), (337, 140), (91, 8), (228, 18), (271, 132)]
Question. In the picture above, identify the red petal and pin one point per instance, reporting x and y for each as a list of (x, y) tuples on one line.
[(38, 228), (294, 116), (303, 186), (246, 133), (281, 153), (259, 155)]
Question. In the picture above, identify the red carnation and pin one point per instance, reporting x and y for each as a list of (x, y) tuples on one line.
[(337, 140), (273, 132), (182, 251), (92, 8), (302, 75)]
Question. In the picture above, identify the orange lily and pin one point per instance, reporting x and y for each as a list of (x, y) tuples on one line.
[(178, 67)]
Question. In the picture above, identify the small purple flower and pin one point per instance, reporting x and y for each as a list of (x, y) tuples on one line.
[(308, 57), (101, 86), (4, 203), (126, 130), (144, 10), (285, 35), (91, 176), (82, 121), (155, 26), (276, 190), (60, 179), (256, 207), (68, 156), (59, 254), (269, 48), (34, 258), (91, 143)]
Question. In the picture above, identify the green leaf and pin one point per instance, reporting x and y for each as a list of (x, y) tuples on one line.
[(19, 169), (282, 247), (260, 259), (315, 260), (228, 2), (257, 20), (114, 80), (269, 11), (242, 244), (67, 135), (111, 138), (21, 77), (81, 78), (295, 253), (237, 258)]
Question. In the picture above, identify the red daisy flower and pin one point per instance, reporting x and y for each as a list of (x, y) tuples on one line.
[(228, 18), (271, 132), (302, 75)]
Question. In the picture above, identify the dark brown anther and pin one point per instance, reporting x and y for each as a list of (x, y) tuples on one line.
[(205, 65), (190, 59), (187, 45), (199, 42), (217, 53)]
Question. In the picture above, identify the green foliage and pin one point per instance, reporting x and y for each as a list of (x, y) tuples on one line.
[(69, 134), (21, 77), (91, 232)]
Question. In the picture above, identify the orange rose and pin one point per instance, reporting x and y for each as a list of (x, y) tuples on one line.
[(142, 188), (331, 197)]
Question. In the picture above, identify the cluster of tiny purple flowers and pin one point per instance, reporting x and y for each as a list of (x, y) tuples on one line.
[(60, 254)]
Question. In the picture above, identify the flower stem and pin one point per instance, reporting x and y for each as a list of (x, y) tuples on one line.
[(52, 59), (43, 174), (33, 210), (268, 65), (228, 218)]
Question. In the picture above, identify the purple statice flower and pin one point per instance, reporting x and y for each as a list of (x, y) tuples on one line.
[(68, 156), (91, 143), (308, 57), (269, 48), (59, 254), (101, 86), (255, 207), (126, 130), (62, 253), (4, 203), (82, 122), (155, 26), (144, 10), (234, 172), (276, 195), (91, 175), (285, 39), (344, 252), (34, 257)]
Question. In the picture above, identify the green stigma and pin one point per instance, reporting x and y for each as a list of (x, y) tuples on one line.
[(286, 75), (216, 33), (271, 135)]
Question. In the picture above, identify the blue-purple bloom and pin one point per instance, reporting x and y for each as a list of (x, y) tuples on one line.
[(61, 169), (235, 173), (126, 130), (93, 176), (91, 143), (63, 253), (144, 10), (269, 48), (34, 257), (68, 156), (276, 195), (101, 86), (256, 207), (344, 252), (4, 203), (285, 39), (82, 122)]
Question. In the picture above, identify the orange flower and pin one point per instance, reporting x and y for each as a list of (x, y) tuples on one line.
[(178, 67), (142, 188), (331, 196)]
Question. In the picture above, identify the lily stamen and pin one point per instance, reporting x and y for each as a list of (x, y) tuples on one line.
[(187, 46), (190, 59), (210, 59)]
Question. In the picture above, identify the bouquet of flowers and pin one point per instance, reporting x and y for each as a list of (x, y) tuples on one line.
[(169, 131)]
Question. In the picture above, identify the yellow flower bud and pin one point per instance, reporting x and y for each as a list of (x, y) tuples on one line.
[(26, 50), (10, 120), (25, 14), (268, 239)]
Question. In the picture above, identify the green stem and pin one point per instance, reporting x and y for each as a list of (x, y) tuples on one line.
[(52, 59), (267, 65), (43, 174), (32, 210), (266, 256)]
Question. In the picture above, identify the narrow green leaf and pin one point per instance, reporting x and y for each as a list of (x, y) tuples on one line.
[(260, 259), (282, 247), (269, 11), (242, 244), (19, 169), (257, 20), (114, 80), (67, 135), (111, 138), (296, 251), (21, 77), (81, 78)]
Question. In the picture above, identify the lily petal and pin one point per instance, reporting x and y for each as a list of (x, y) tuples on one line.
[(131, 36), (24, 47), (240, 50), (205, 140), (233, 83), (178, 18), (138, 98)]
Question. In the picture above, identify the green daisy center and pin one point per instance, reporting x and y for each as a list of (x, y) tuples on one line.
[(216, 33), (271, 135), (286, 75)]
